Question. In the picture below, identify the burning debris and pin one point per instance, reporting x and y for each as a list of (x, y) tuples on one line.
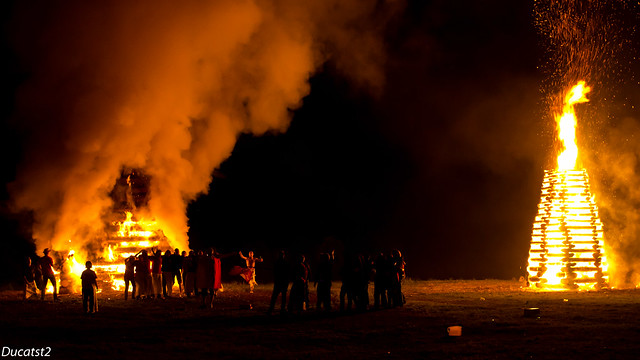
[(567, 243)]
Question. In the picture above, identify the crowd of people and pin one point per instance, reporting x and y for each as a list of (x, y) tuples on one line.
[(152, 274), (387, 271)]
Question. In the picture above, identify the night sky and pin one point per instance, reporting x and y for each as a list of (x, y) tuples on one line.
[(445, 164), (442, 157)]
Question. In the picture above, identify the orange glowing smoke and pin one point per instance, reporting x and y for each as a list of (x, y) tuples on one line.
[(170, 87), (567, 242)]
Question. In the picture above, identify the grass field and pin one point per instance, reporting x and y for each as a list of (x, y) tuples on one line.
[(571, 325)]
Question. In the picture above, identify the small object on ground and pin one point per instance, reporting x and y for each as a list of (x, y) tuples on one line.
[(454, 330), (531, 312)]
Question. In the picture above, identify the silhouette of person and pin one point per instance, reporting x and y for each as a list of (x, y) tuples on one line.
[(176, 266), (156, 274), (380, 281), (129, 276), (143, 275), (167, 274), (362, 282), (189, 266), (89, 289), (300, 277), (46, 264), (396, 298), (323, 281), (29, 279), (349, 282), (205, 278), (280, 283)]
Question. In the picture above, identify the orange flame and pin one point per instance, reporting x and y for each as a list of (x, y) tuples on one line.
[(567, 126)]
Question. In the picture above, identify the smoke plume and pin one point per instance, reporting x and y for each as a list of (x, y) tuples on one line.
[(166, 87)]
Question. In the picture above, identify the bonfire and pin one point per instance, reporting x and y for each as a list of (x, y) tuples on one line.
[(567, 242)]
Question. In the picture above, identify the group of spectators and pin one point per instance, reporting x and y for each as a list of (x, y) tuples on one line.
[(386, 270), (152, 274)]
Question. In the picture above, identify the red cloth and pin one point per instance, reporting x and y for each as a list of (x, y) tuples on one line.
[(218, 282), (246, 273)]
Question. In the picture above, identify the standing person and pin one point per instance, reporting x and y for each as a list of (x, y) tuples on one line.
[(143, 275), (167, 274), (280, 283), (250, 273), (300, 277), (176, 265), (89, 289), (129, 276), (189, 266), (348, 275), (205, 278), (156, 273), (209, 275), (380, 281), (362, 287), (29, 280), (307, 302), (323, 281), (217, 257), (397, 275), (46, 264)]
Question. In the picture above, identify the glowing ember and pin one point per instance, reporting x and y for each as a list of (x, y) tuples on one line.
[(567, 242)]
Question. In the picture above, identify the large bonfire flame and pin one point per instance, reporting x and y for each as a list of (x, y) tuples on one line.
[(567, 243), (126, 238)]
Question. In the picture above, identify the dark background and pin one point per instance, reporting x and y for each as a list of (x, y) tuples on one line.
[(444, 163)]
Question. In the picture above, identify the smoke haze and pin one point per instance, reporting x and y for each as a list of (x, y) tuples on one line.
[(166, 88)]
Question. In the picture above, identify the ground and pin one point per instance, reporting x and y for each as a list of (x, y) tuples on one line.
[(571, 325)]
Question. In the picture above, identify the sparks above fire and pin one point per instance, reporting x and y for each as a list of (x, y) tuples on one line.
[(567, 242)]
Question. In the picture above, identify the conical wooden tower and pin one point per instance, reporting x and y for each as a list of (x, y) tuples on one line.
[(567, 243)]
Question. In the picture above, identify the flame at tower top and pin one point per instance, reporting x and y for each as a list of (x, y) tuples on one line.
[(567, 126)]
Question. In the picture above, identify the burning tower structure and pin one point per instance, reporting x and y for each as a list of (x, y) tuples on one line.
[(567, 241), (127, 231)]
